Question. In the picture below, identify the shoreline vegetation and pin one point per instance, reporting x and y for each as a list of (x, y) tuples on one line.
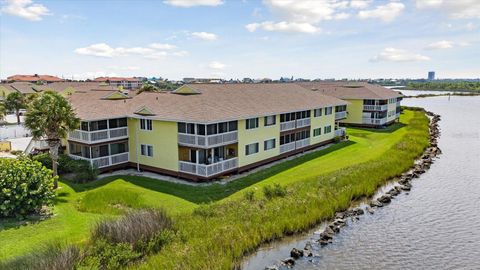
[(463, 86), (227, 222), (462, 94)]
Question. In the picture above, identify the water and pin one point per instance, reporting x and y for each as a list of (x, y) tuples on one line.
[(435, 226)]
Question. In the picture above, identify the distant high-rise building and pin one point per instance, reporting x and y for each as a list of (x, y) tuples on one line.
[(431, 75)]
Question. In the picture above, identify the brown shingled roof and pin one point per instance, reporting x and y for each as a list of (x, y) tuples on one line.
[(127, 79), (351, 90), (216, 102)]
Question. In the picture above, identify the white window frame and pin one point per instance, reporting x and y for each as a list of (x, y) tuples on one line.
[(247, 121), (248, 145), (325, 129), (274, 144), (274, 121), (146, 147), (145, 122), (319, 129), (319, 110), (328, 110)]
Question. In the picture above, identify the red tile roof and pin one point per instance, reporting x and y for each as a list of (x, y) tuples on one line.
[(34, 78)]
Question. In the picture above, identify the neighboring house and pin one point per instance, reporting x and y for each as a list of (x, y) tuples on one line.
[(34, 78), (369, 104), (124, 82), (63, 88), (201, 131)]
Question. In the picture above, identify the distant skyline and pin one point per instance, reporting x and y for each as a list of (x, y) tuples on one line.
[(241, 38)]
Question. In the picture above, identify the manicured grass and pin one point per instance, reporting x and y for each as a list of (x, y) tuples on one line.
[(315, 183)]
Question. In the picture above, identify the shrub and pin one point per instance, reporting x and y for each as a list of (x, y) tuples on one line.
[(25, 186), (106, 255), (134, 227), (53, 256), (249, 195), (117, 243), (275, 190), (81, 168)]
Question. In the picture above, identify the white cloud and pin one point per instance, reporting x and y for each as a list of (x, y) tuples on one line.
[(161, 46), (193, 3), (130, 68), (216, 65), (290, 27), (311, 11), (456, 9), (385, 13), (398, 55), (445, 44), (25, 9), (154, 51), (204, 36), (360, 4)]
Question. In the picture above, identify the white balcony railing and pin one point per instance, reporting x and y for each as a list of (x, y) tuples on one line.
[(207, 141), (208, 170), (287, 147), (305, 122), (375, 107), (106, 161), (99, 135), (287, 125), (374, 121), (340, 132), (340, 115), (302, 143)]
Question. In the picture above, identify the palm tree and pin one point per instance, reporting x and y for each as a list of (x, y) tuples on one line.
[(3, 111), (51, 117), (14, 102), (147, 88)]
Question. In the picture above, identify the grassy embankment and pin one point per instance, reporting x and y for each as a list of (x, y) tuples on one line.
[(226, 225)]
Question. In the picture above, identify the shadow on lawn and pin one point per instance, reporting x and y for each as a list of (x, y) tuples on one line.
[(389, 129), (214, 192)]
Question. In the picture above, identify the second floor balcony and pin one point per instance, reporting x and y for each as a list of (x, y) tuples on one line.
[(98, 135), (207, 141), (375, 107)]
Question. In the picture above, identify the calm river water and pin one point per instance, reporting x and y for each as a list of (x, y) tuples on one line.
[(435, 226)]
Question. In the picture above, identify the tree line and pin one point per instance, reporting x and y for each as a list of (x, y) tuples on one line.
[(446, 86)]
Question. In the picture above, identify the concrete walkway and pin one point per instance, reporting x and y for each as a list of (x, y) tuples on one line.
[(222, 181)]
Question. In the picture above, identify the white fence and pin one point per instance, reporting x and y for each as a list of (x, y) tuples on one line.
[(105, 161), (99, 135)]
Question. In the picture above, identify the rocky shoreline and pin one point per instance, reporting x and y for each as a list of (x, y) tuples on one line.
[(401, 184)]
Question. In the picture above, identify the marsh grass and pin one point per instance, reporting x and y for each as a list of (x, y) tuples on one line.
[(51, 256)]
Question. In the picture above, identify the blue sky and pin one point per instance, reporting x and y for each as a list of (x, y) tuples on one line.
[(236, 39)]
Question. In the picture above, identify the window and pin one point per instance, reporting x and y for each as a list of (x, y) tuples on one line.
[(269, 144), (317, 112), (116, 123), (84, 126), (117, 148), (222, 127), (251, 149), (211, 129), (341, 108), (327, 129), (287, 138), (305, 134), (232, 125), (146, 150), (328, 110), (251, 123), (200, 129), (270, 120), (317, 132), (98, 125), (146, 124)]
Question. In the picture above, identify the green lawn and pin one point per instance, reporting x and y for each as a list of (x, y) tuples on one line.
[(79, 206)]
